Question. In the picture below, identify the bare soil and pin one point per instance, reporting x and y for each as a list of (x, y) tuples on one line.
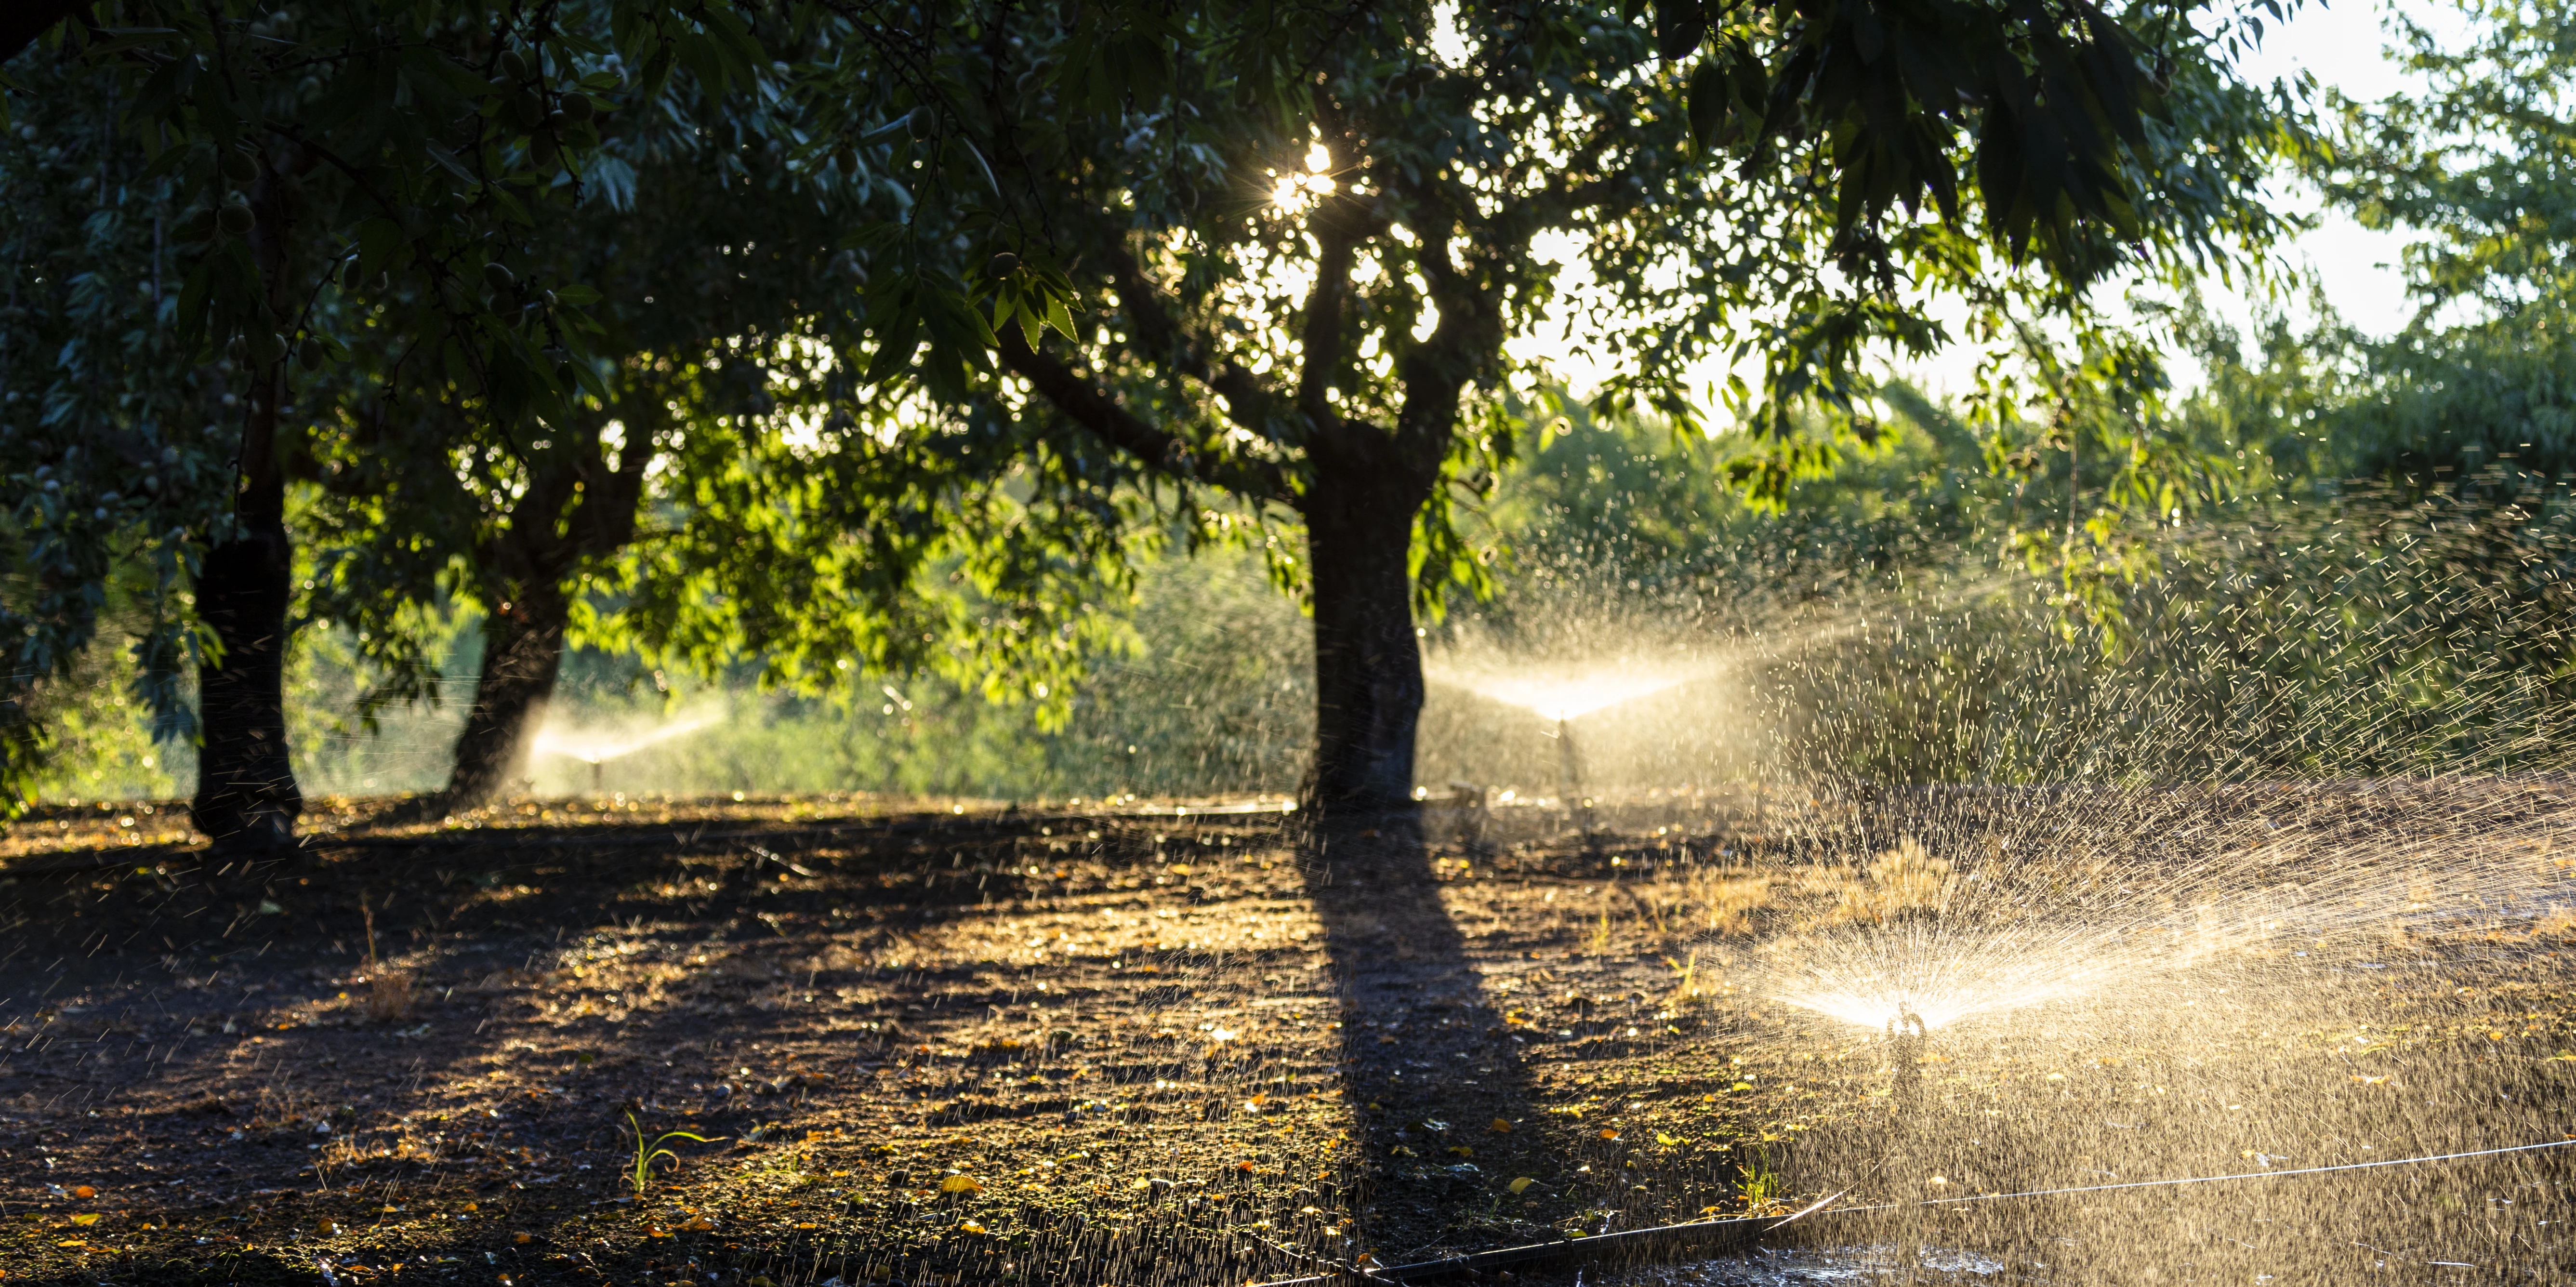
[(952, 1045)]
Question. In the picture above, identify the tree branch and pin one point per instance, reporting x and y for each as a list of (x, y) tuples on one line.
[(1320, 346), (1248, 403), (1436, 371), (1095, 410)]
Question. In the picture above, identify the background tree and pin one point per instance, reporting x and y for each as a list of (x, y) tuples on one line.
[(343, 188), (1309, 303), (302, 156), (726, 491), (392, 162), (118, 459), (2476, 165)]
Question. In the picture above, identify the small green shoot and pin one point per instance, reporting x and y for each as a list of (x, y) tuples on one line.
[(1760, 1184), (647, 1154)]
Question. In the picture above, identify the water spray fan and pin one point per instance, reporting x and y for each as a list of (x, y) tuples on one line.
[(596, 750)]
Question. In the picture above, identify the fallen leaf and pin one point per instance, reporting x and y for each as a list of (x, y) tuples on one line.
[(1522, 1184), (1500, 1127), (1609, 1135), (1462, 1150), (960, 1184), (84, 1191), (963, 1226), (1668, 1141), (89, 1219)]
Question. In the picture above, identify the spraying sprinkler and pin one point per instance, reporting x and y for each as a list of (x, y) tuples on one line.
[(596, 750), (1905, 1036), (1570, 776)]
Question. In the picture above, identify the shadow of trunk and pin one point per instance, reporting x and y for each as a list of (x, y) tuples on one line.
[(1438, 1086)]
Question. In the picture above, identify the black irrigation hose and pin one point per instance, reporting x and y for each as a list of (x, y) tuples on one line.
[(1661, 1242), (1700, 1237)]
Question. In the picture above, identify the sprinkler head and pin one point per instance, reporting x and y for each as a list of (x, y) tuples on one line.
[(1906, 1020), (1905, 1034)]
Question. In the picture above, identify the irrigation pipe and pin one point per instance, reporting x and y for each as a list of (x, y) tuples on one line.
[(1711, 1235), (2246, 1175)]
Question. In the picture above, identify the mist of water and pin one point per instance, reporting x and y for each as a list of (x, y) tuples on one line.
[(594, 745)]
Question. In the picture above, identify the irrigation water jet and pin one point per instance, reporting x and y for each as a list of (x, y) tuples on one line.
[(597, 749), (1559, 696)]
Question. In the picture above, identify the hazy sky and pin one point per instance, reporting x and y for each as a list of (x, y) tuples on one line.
[(2342, 47)]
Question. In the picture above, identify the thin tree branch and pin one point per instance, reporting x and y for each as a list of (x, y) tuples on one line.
[(1095, 410), (1248, 402)]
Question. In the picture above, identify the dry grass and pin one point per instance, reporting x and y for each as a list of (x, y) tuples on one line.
[(1725, 900), (1903, 881), (389, 995), (389, 992)]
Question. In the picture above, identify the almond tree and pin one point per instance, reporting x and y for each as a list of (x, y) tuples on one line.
[(291, 165), (1307, 303)]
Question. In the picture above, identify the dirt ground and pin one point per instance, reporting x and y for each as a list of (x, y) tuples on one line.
[(948, 1044)]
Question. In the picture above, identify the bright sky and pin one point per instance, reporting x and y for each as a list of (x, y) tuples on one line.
[(2343, 45)]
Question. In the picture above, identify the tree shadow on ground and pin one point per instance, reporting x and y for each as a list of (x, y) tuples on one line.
[(1437, 1082)]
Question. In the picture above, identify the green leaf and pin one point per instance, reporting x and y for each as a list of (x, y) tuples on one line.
[(1710, 98), (1680, 25)]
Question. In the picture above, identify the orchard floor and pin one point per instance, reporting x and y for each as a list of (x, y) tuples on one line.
[(962, 1047)]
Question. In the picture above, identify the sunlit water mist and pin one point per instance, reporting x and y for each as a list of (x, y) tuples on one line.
[(1567, 695), (1868, 977), (2125, 919), (598, 746)]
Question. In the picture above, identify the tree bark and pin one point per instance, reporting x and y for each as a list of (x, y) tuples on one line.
[(583, 509), (246, 793), (522, 655), (1368, 661)]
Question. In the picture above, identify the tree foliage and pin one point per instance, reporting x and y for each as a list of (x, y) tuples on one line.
[(2477, 166)]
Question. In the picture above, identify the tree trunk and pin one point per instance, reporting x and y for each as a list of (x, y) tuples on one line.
[(246, 793), (1368, 661), (522, 654)]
